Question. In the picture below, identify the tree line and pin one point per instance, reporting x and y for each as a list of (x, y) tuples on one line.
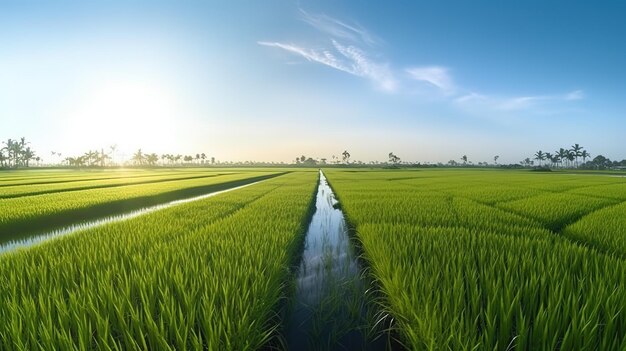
[(16, 153), (571, 157)]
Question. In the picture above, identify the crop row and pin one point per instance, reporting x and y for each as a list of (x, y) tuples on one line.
[(36, 189), (24, 214), (28, 177), (207, 275)]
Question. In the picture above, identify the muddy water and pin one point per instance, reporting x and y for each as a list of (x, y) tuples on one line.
[(329, 310), (38, 238)]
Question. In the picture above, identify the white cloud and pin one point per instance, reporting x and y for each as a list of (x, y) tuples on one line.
[(320, 56), (353, 61), (514, 103), (339, 29), (436, 76)]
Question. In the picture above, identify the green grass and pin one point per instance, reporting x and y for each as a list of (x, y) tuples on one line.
[(476, 259), (198, 276)]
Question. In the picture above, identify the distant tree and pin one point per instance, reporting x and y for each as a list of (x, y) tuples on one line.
[(548, 156), (197, 158), (27, 155), (576, 150), (310, 162), (323, 161), (562, 155), (453, 163), (203, 157), (464, 159), (138, 157), (346, 156), (601, 162), (393, 158), (585, 155), (495, 159), (112, 153), (571, 156), (212, 160), (302, 158), (152, 159), (540, 156), (3, 159)]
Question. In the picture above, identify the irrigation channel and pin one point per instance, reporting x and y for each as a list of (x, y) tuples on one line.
[(331, 308), (41, 237)]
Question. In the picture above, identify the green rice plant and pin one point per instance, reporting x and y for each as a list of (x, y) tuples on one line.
[(32, 177), (556, 210), (604, 229), (614, 191), (31, 213), (455, 288), (37, 189), (458, 270), (206, 275)]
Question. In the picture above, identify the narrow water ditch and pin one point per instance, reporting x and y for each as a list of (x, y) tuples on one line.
[(44, 236), (331, 305)]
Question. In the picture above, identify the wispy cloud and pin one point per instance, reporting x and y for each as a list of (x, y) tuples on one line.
[(339, 29), (346, 58), (436, 76), (324, 57), (345, 52), (476, 100)]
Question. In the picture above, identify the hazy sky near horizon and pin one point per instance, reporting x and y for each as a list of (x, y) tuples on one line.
[(271, 80)]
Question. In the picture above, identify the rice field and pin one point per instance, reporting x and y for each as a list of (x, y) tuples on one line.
[(454, 259), (493, 260)]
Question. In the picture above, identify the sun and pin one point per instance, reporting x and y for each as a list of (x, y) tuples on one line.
[(130, 114)]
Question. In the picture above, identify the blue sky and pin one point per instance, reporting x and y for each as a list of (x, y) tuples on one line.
[(271, 80)]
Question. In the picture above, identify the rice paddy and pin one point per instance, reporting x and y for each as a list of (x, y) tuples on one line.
[(447, 259)]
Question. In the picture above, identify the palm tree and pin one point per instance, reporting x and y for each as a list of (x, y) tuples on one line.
[(576, 149), (571, 156), (138, 157), (550, 158), (20, 149), (8, 148), (27, 155), (464, 159), (584, 154), (3, 158), (346, 156), (495, 159), (112, 150), (152, 159), (562, 153), (212, 160), (540, 156), (203, 157), (13, 150)]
